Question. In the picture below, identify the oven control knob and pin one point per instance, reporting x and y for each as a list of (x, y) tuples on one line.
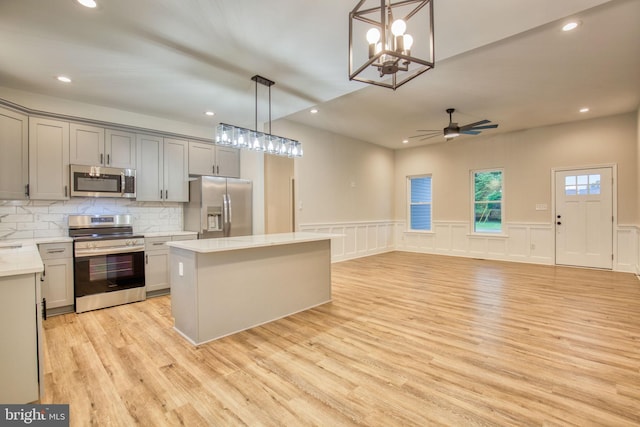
[(128, 242)]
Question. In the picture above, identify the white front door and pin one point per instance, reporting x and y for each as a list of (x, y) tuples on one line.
[(584, 217)]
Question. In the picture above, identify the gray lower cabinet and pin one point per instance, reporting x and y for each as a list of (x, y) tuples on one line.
[(156, 260), (57, 277)]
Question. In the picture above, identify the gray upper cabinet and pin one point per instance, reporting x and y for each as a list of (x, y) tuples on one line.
[(96, 146), (149, 177), (48, 159), (209, 159), (176, 170), (120, 149), (162, 171), (86, 145), (228, 162), (202, 158), (14, 161)]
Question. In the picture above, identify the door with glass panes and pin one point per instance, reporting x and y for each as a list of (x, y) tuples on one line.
[(584, 217)]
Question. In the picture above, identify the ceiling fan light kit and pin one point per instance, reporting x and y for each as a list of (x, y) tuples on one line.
[(389, 39), (247, 139)]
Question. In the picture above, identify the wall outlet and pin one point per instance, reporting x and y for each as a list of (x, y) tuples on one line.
[(541, 207)]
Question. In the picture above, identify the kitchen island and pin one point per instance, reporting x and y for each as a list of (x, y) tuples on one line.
[(227, 285)]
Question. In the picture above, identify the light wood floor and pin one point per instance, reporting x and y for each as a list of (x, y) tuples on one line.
[(409, 339)]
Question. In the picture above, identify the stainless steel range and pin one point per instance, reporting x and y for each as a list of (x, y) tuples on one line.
[(108, 261)]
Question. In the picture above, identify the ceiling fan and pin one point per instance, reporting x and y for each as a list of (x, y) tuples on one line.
[(453, 130)]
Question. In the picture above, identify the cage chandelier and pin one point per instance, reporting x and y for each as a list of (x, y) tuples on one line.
[(388, 38), (239, 137)]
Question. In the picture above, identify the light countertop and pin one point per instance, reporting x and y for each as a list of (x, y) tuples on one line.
[(247, 242), (19, 258), (170, 233)]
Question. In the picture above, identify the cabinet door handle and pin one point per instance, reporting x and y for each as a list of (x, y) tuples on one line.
[(108, 159), (146, 259), (218, 170), (166, 194), (42, 275), (158, 243), (65, 191), (161, 194), (44, 309), (26, 190), (54, 251), (101, 158)]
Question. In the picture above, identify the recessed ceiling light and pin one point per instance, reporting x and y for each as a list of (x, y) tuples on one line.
[(88, 3), (405, 141), (314, 111), (570, 26), (64, 79), (209, 113), (584, 110)]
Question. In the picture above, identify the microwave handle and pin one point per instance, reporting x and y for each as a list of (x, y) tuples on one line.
[(122, 183)]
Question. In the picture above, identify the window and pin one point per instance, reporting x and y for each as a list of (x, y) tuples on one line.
[(419, 189), (582, 184), (488, 201)]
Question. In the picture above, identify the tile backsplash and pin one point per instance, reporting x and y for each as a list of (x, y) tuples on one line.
[(29, 219)]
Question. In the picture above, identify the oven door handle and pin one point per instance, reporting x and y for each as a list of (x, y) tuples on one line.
[(108, 250)]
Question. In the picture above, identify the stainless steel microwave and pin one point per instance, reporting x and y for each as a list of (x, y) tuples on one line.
[(98, 181)]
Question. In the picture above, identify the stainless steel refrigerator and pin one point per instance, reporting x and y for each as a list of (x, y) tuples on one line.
[(219, 207)]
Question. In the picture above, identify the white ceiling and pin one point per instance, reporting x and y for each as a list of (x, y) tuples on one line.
[(504, 60)]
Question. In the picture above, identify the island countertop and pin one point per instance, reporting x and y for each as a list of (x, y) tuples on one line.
[(223, 244)]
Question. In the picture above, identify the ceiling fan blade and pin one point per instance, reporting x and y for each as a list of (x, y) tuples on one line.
[(484, 127), (470, 125), (428, 137), (428, 130), (470, 132)]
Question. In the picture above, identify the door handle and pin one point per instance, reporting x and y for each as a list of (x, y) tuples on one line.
[(559, 223)]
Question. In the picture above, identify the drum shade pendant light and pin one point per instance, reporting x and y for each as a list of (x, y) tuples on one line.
[(389, 38), (239, 137)]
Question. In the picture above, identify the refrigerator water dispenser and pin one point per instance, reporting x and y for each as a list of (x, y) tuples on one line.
[(214, 218)]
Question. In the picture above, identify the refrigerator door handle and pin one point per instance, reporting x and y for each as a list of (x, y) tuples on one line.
[(229, 215), (225, 215)]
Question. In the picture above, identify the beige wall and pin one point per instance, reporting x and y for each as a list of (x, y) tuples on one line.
[(527, 158), (339, 179), (637, 222)]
